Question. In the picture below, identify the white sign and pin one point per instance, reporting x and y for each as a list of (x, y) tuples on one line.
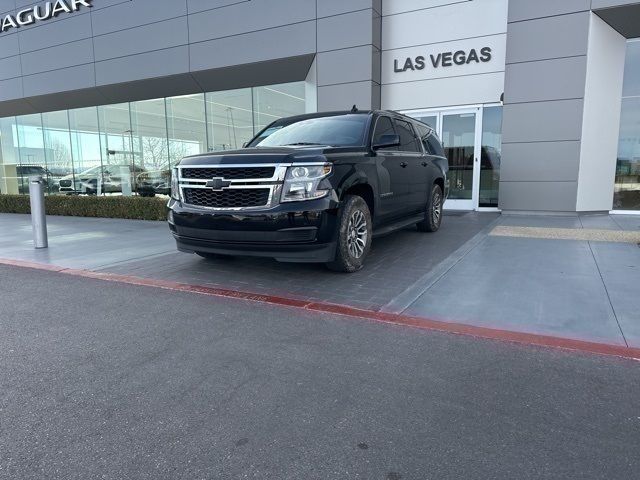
[(49, 10), (442, 60)]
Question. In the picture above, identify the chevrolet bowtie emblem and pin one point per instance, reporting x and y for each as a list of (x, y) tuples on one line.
[(218, 184)]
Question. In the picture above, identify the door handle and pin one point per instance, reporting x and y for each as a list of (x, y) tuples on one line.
[(404, 164)]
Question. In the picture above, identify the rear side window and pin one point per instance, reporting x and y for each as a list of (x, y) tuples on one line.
[(408, 140), (430, 141), (424, 133), (384, 126), (435, 146)]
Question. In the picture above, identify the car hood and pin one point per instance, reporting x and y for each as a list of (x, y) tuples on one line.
[(267, 155)]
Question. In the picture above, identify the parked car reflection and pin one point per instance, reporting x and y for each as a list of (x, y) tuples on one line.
[(154, 182), (23, 173), (106, 179)]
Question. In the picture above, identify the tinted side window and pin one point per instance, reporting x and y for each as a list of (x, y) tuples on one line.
[(384, 126), (424, 132), (435, 146), (408, 140)]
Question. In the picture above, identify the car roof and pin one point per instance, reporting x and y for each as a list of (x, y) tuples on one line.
[(335, 113)]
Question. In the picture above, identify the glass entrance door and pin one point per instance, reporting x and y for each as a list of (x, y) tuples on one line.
[(458, 135), (461, 134)]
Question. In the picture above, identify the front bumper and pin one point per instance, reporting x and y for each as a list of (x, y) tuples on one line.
[(290, 232)]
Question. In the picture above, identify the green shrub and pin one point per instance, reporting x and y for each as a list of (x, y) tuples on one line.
[(134, 208)]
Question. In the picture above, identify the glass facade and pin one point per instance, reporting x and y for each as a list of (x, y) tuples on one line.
[(129, 148), (627, 187), (230, 118), (490, 157)]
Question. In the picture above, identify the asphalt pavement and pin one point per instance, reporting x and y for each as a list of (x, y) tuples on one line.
[(111, 381)]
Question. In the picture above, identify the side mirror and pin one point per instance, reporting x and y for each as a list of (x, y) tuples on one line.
[(387, 141)]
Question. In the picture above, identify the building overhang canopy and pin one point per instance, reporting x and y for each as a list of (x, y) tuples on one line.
[(625, 19), (270, 72)]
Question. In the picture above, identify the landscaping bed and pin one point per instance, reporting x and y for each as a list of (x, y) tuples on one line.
[(133, 208)]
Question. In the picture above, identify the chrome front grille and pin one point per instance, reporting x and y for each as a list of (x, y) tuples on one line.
[(244, 187), (228, 198), (228, 173)]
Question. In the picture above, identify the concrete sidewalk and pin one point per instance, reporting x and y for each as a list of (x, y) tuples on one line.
[(481, 270), (88, 243), (579, 289), (147, 249)]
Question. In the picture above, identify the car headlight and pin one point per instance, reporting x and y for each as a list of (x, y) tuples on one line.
[(302, 181), (175, 186)]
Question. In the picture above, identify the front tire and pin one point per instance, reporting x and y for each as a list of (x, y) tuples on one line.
[(433, 215), (354, 235)]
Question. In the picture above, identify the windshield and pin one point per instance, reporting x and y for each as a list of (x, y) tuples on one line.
[(338, 131)]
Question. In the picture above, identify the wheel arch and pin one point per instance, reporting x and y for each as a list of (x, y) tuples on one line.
[(362, 189)]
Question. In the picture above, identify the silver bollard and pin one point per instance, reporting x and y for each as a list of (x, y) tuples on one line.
[(38, 215)]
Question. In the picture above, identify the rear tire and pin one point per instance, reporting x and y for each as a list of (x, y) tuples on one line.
[(354, 235), (433, 215)]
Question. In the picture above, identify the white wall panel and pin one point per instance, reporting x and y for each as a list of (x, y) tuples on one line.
[(443, 92), (393, 7), (602, 103), (445, 23), (433, 53), (433, 27)]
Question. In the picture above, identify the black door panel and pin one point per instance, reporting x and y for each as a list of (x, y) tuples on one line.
[(413, 156), (393, 177)]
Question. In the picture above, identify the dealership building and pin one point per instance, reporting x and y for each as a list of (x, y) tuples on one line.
[(536, 102)]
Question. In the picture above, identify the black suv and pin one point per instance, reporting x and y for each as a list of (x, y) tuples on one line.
[(312, 188)]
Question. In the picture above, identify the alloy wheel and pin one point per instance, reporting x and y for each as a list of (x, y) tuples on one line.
[(357, 234), (436, 208)]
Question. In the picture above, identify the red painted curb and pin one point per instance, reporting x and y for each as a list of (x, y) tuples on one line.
[(381, 317), (26, 264)]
